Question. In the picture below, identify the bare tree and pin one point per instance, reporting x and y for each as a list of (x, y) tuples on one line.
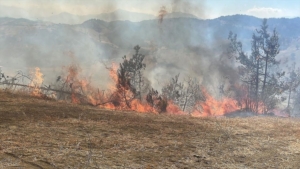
[(185, 96), (173, 90), (190, 95)]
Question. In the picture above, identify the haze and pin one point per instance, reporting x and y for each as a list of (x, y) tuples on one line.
[(204, 9)]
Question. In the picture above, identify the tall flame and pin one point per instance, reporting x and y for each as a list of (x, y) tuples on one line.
[(36, 82)]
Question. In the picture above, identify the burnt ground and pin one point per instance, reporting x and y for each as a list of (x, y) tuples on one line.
[(37, 133)]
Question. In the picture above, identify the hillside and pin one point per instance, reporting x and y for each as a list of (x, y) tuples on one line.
[(121, 15), (45, 44), (37, 133)]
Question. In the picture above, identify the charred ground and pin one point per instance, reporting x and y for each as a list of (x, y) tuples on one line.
[(37, 133)]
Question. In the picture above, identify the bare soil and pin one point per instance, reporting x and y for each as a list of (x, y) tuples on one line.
[(39, 133)]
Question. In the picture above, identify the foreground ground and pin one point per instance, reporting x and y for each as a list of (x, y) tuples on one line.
[(36, 133)]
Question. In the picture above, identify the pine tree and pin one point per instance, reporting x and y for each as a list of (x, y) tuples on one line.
[(258, 70)]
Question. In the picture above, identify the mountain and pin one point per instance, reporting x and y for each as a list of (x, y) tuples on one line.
[(121, 15), (15, 12), (175, 41), (179, 15), (174, 32), (117, 15), (66, 18)]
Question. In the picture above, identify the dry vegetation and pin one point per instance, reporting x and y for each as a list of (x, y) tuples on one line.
[(37, 133)]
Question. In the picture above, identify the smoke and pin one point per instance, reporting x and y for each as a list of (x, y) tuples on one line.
[(161, 14), (191, 7), (26, 44), (210, 66), (196, 50), (182, 47)]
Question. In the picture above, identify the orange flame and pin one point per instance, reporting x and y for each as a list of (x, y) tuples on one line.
[(118, 98), (213, 107), (121, 94), (136, 105), (78, 86), (36, 82), (174, 109)]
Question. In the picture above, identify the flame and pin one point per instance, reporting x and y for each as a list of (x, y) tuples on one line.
[(136, 105), (118, 101), (36, 82), (213, 107), (120, 98), (80, 87), (174, 109)]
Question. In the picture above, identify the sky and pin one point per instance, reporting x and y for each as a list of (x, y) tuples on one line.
[(204, 9)]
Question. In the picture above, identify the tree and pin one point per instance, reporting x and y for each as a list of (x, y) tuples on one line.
[(258, 70), (173, 90), (296, 105), (190, 95), (185, 96), (250, 69), (268, 50), (292, 83), (134, 67), (130, 78), (158, 102)]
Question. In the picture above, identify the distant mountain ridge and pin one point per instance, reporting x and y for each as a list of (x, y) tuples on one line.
[(117, 15), (26, 43), (109, 38), (187, 30), (175, 23)]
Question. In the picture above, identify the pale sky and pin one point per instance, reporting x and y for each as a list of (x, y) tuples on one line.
[(202, 8)]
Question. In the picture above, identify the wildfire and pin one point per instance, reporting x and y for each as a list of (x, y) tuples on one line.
[(121, 97), (136, 105), (36, 82), (213, 107), (210, 107), (113, 72), (174, 109)]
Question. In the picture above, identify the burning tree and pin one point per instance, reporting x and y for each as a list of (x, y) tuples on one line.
[(257, 71), (130, 78), (157, 101)]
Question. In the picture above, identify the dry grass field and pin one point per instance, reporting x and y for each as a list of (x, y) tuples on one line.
[(37, 133)]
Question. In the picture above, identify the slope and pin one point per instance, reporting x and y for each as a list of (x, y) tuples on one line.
[(37, 133)]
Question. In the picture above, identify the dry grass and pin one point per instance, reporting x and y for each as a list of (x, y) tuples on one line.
[(36, 133)]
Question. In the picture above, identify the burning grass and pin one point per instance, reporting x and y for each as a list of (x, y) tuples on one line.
[(130, 90), (38, 133)]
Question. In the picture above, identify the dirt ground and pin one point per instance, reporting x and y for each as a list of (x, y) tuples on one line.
[(37, 133)]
